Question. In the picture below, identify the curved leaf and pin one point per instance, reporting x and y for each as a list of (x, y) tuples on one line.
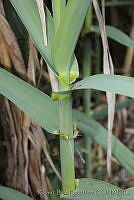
[(28, 13), (35, 103), (109, 83), (116, 35), (92, 189), (10, 194)]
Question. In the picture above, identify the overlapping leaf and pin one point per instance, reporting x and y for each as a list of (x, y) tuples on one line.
[(67, 34), (28, 13)]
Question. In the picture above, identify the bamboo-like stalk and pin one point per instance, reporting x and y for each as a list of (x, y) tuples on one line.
[(66, 126), (87, 106), (66, 145)]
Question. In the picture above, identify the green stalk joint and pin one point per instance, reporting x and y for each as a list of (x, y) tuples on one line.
[(65, 136), (65, 93), (66, 194), (62, 135), (57, 96), (66, 79)]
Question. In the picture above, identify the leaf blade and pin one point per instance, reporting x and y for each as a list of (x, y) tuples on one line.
[(108, 83), (90, 189), (28, 13), (117, 35), (71, 23), (32, 101), (10, 194)]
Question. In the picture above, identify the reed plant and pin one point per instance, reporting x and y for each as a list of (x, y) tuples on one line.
[(56, 42)]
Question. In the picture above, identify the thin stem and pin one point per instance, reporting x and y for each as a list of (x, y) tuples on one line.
[(88, 140), (97, 70), (86, 105), (66, 127), (67, 145)]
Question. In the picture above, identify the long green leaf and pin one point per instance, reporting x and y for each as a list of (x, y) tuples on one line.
[(91, 189), (67, 34), (10, 194), (116, 35), (28, 13), (44, 111), (36, 104), (129, 194), (111, 83)]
